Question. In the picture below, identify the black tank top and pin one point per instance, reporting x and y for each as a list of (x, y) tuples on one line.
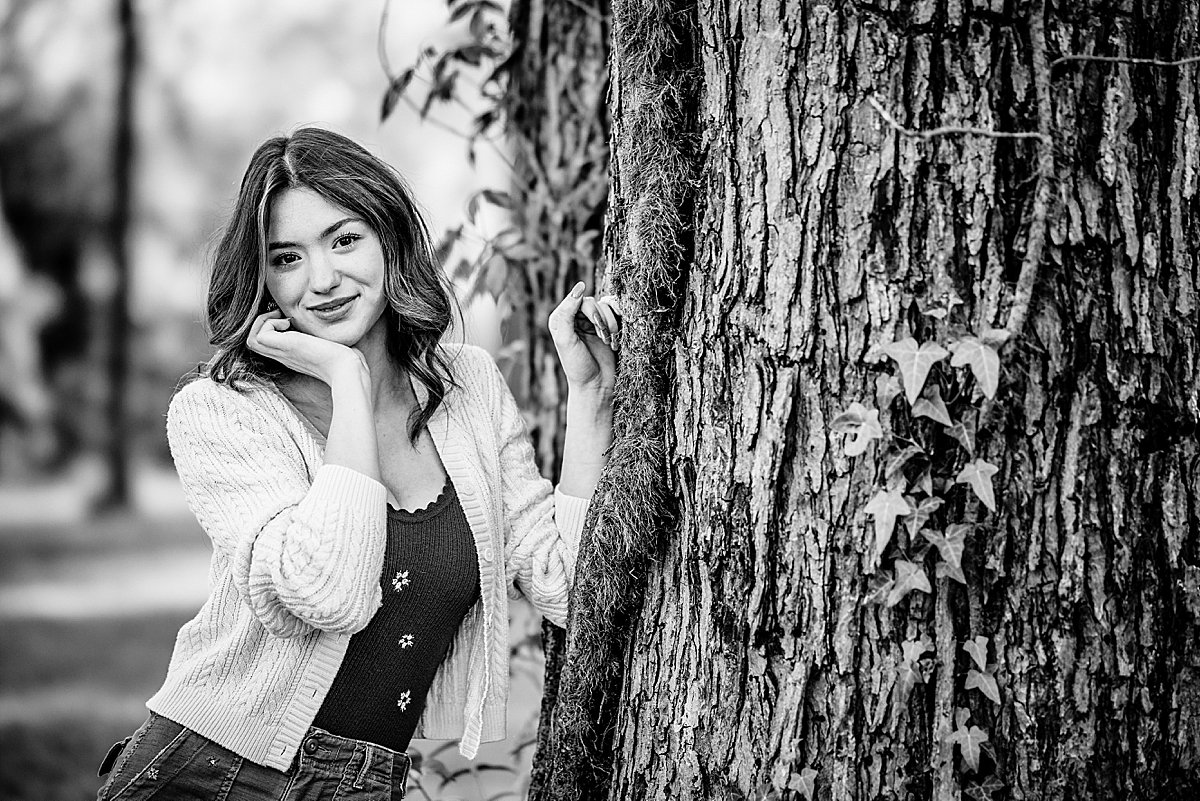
[(430, 581)]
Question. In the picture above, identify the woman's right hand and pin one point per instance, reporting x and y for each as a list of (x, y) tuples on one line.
[(323, 359)]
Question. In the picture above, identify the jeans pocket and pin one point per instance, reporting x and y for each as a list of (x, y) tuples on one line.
[(189, 767), (120, 758), (144, 758)]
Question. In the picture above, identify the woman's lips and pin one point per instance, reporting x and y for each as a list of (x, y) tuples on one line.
[(333, 309)]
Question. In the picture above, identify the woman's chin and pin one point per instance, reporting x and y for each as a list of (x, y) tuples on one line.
[(341, 334)]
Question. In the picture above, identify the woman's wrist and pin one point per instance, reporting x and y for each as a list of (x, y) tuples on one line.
[(587, 439), (589, 401), (351, 441), (349, 373)]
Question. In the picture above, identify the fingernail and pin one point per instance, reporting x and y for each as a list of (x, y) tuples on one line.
[(577, 292)]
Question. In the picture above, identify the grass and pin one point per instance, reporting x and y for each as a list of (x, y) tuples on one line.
[(56, 761), (70, 690), (24, 548)]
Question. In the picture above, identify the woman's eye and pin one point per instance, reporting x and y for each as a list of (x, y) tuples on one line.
[(346, 240), (284, 259)]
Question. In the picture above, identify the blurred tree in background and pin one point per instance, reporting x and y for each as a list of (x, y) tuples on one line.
[(542, 73), (56, 201)]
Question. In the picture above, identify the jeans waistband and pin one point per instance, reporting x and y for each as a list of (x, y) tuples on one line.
[(320, 746)]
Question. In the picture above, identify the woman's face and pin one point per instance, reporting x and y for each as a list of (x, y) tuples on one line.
[(325, 267)]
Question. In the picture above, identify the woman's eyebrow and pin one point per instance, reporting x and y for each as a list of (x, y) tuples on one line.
[(324, 234)]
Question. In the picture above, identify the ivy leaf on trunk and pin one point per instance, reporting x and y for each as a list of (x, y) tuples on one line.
[(984, 682), (931, 405), (908, 672), (978, 474), (804, 782), (921, 514), (969, 739), (950, 547), (861, 423), (983, 360), (914, 362), (885, 507), (977, 648), (898, 460), (964, 436), (984, 789), (909, 576)]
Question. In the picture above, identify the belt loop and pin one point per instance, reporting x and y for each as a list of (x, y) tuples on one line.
[(368, 757), (407, 760)]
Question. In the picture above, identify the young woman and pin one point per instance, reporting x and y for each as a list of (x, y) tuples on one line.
[(370, 493)]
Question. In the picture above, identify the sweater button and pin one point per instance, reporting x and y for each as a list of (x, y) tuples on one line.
[(487, 554)]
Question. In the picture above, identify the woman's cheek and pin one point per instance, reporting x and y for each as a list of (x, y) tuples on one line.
[(284, 290)]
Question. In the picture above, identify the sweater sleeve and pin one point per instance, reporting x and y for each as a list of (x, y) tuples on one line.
[(303, 555), (543, 525)]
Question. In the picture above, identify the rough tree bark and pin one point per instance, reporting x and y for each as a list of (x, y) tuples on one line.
[(758, 663), (649, 231)]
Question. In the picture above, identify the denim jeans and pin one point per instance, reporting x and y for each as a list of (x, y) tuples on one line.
[(164, 760)]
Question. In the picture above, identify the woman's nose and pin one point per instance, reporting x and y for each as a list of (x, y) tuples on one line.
[(324, 276)]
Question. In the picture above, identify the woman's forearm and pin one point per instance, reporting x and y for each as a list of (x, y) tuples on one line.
[(588, 437), (351, 441)]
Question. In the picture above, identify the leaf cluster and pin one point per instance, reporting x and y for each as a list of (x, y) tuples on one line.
[(928, 448), (478, 45), (929, 476)]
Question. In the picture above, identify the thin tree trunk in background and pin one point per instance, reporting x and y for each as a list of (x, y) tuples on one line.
[(759, 667), (557, 123), (119, 433)]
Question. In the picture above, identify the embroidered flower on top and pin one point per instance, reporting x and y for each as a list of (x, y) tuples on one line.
[(406, 641), (400, 581), (405, 697)]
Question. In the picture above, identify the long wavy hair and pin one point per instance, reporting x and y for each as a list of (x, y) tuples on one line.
[(419, 295)]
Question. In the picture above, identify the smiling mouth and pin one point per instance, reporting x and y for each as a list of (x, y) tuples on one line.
[(332, 305)]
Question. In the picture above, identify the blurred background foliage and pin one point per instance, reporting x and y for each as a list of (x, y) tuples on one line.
[(212, 80), (103, 252)]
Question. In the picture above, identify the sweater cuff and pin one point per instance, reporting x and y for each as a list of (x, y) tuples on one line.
[(348, 486), (569, 514)]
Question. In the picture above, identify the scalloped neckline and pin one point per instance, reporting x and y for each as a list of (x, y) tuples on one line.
[(429, 509)]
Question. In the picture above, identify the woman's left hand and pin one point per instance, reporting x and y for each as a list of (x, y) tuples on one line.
[(585, 335)]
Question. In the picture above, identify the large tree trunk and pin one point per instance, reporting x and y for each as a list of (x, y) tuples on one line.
[(761, 659)]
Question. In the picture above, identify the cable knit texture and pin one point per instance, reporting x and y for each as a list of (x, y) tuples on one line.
[(298, 546)]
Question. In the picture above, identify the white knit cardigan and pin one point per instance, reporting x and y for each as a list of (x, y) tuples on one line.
[(298, 550)]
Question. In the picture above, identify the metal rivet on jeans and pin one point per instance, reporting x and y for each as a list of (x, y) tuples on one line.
[(152, 774)]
